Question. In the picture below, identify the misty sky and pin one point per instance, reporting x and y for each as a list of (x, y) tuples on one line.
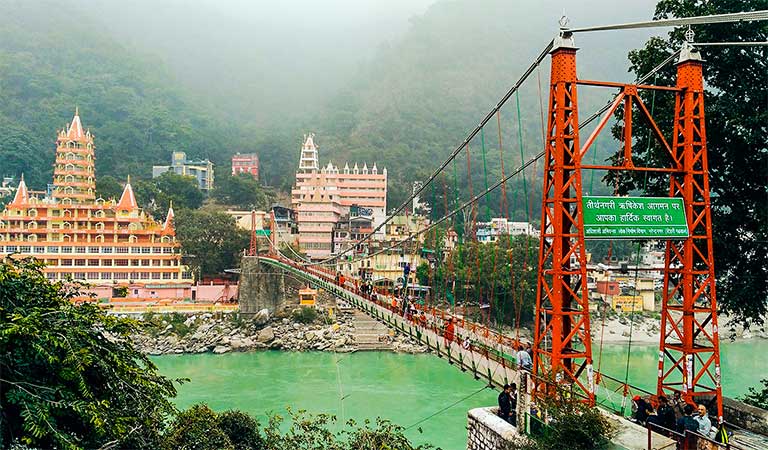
[(259, 59)]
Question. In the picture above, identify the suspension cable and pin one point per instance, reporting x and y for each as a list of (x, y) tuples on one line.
[(453, 155), (747, 16)]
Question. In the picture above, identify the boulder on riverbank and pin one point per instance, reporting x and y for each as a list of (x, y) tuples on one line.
[(225, 333)]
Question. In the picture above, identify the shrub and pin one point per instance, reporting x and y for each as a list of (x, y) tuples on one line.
[(197, 428), (305, 315)]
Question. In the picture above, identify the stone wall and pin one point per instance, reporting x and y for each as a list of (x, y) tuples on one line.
[(263, 286), (745, 416), (487, 431)]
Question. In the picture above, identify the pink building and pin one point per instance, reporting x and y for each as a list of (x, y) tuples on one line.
[(322, 195), (246, 164)]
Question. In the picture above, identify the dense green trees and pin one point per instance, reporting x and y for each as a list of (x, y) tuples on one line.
[(241, 191), (70, 377), (501, 274), (156, 194), (736, 83), (210, 239)]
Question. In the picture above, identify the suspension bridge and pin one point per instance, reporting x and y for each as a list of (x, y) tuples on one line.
[(563, 352)]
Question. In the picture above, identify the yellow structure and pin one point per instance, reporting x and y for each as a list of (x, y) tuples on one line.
[(307, 297), (627, 303)]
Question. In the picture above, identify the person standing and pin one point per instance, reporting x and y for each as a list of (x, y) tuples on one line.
[(705, 425), (505, 403), (450, 331), (524, 361), (687, 422), (513, 404)]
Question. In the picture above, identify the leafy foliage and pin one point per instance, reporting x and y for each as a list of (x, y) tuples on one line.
[(197, 428), (210, 239), (502, 274), (305, 315), (571, 421), (156, 194), (755, 397), (736, 84), (241, 191), (69, 375)]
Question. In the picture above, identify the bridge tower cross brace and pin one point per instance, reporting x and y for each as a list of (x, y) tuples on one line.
[(689, 349), (562, 343)]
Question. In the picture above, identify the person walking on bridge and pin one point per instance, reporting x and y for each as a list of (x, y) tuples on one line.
[(524, 361)]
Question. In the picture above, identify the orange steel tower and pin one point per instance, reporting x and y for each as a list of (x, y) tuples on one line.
[(562, 346), (689, 351), (689, 355)]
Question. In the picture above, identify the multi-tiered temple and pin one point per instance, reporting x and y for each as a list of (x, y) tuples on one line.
[(106, 243)]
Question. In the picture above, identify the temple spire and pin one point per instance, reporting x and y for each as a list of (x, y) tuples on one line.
[(127, 200), (75, 130), (168, 225), (22, 194)]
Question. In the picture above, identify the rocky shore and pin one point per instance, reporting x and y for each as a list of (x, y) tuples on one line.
[(224, 333)]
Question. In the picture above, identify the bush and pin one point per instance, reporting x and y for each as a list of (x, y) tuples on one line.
[(305, 315), (197, 428), (241, 429)]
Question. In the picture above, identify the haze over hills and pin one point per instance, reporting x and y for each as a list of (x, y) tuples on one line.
[(396, 82)]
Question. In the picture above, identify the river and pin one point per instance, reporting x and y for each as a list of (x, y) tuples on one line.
[(406, 389)]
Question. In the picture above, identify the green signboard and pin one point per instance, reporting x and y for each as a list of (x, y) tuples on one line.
[(634, 218), (262, 233)]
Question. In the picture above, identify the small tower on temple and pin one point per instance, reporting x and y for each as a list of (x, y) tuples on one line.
[(74, 178), (309, 161)]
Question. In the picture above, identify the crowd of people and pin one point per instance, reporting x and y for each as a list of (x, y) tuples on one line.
[(675, 415)]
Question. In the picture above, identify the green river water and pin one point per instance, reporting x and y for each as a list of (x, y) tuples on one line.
[(403, 388)]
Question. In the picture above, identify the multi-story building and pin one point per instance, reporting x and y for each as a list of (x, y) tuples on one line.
[(6, 187), (349, 230), (108, 244), (500, 226), (248, 163), (323, 194), (202, 170)]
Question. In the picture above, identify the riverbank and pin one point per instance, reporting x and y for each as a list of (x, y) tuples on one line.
[(644, 328), (223, 333)]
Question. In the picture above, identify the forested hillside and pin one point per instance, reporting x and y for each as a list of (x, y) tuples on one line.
[(52, 59), (418, 100), (405, 105)]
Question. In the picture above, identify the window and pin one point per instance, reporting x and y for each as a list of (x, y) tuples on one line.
[(106, 262), (144, 275), (121, 262), (93, 275), (106, 276), (166, 276), (93, 262), (66, 249), (93, 249), (145, 249), (106, 249), (121, 249), (135, 262), (120, 276), (39, 249), (167, 250), (51, 275), (80, 249), (25, 249), (66, 262), (79, 275), (155, 275), (53, 249), (79, 262), (145, 262)]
